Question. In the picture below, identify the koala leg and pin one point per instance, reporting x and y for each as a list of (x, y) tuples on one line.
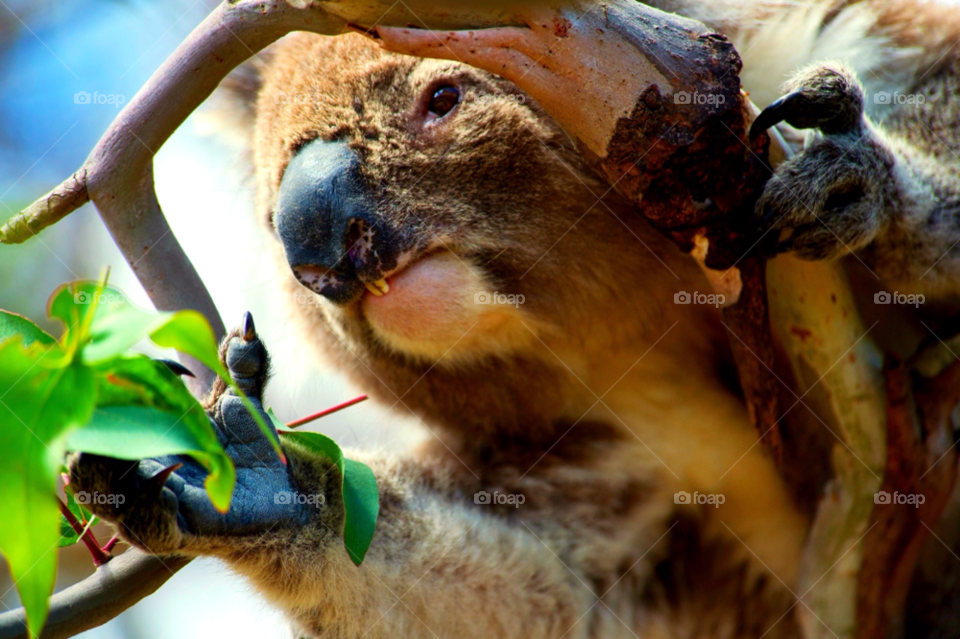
[(861, 187)]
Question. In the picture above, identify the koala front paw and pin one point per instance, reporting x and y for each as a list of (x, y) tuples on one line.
[(831, 197), (164, 507)]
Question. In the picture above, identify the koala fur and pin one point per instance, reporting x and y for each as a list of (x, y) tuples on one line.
[(598, 398)]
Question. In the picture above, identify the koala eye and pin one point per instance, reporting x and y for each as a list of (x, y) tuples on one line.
[(443, 101)]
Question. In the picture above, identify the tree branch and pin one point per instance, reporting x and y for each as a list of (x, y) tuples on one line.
[(114, 587)]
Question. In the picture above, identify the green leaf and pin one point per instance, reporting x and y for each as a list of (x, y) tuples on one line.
[(174, 419), (115, 325), (277, 424), (75, 304), (12, 324), (136, 432), (42, 396), (361, 498), (48, 394), (69, 536)]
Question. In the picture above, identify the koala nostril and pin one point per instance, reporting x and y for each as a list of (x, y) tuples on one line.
[(317, 278)]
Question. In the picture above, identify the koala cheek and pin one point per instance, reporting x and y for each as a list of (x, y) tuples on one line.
[(440, 306)]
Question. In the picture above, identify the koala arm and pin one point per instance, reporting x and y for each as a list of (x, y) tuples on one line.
[(439, 564)]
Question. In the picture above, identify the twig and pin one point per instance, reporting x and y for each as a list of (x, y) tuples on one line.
[(113, 588), (324, 413), (100, 555)]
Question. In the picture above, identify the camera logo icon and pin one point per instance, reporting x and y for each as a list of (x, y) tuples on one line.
[(82, 497), (882, 297), (881, 97), (82, 297), (682, 298), (883, 497), (683, 497), (483, 297), (482, 497), (681, 97), (283, 497), (81, 97)]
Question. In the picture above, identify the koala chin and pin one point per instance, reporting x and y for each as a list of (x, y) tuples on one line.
[(464, 264)]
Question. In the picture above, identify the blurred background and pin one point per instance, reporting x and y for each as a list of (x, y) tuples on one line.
[(66, 67)]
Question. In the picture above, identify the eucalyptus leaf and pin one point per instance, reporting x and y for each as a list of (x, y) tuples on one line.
[(361, 498), (138, 432), (12, 325), (43, 398)]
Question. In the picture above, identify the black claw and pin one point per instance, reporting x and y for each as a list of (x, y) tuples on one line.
[(776, 113), (176, 367), (249, 330), (156, 482)]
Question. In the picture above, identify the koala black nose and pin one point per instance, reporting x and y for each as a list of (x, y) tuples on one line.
[(326, 220)]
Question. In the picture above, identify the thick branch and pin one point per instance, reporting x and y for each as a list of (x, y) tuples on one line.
[(114, 587), (921, 463)]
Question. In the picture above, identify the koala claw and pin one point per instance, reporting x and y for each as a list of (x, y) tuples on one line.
[(165, 506), (778, 111), (824, 97), (831, 196), (176, 368)]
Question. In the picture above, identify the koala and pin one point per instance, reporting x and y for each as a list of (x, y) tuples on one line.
[(592, 470)]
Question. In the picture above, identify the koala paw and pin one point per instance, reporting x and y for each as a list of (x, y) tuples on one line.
[(830, 198), (165, 508)]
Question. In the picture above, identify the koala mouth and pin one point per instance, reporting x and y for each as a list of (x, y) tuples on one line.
[(335, 286)]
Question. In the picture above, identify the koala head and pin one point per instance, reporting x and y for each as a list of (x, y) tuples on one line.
[(431, 217)]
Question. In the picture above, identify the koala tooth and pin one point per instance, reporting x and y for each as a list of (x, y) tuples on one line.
[(378, 288)]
